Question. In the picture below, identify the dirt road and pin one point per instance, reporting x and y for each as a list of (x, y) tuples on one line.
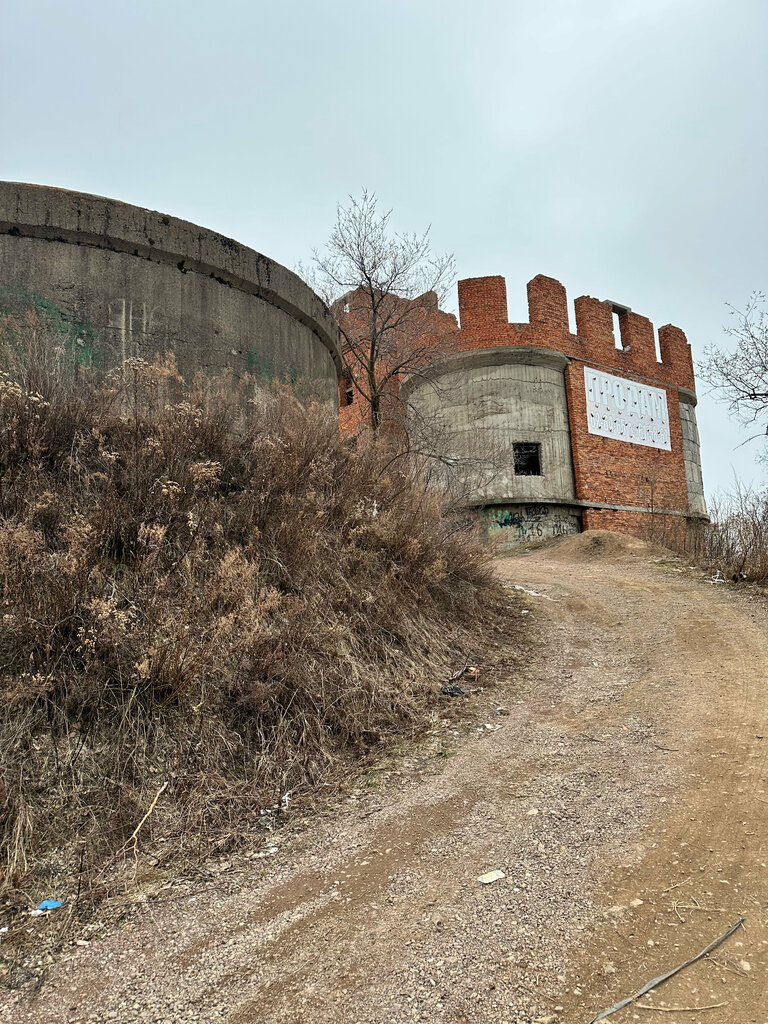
[(621, 785)]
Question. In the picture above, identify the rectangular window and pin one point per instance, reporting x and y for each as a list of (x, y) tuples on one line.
[(348, 387), (527, 456), (617, 340)]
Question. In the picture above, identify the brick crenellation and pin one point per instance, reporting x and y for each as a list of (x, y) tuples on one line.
[(484, 321)]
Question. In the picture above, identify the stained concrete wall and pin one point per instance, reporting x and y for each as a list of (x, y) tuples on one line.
[(478, 403), (510, 525), (692, 453), (126, 281)]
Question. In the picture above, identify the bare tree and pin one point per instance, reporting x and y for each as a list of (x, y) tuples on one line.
[(385, 290), (739, 376), (381, 287)]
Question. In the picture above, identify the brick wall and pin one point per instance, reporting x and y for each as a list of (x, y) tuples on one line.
[(424, 332), (662, 529), (606, 471), (483, 320)]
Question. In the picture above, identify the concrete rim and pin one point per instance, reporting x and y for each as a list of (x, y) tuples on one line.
[(500, 355), (79, 218)]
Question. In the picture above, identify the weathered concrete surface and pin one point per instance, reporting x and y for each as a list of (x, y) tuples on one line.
[(692, 453), (510, 525), (134, 282), (482, 402)]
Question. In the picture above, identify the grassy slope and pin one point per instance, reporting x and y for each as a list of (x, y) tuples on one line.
[(204, 591)]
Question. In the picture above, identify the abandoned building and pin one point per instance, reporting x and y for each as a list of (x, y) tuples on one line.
[(588, 428), (598, 429), (579, 430)]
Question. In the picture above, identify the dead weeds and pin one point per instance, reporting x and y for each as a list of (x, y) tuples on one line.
[(212, 608)]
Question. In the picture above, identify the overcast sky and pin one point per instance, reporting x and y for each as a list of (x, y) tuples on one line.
[(618, 145)]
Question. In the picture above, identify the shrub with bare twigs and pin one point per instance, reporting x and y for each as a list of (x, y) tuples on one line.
[(735, 542), (204, 589)]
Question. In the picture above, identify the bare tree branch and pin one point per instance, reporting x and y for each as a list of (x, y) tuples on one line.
[(739, 375), (380, 286)]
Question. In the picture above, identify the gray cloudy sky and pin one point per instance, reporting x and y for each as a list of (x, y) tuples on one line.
[(618, 145)]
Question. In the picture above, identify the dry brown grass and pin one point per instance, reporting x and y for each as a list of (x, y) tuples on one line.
[(735, 543), (202, 588)]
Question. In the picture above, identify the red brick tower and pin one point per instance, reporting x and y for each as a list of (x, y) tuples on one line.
[(600, 432)]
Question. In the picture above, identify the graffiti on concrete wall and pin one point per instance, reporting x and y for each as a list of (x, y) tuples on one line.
[(519, 523), (77, 339)]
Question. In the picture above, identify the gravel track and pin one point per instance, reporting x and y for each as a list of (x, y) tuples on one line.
[(625, 760)]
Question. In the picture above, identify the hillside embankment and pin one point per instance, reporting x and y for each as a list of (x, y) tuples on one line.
[(214, 612), (619, 783)]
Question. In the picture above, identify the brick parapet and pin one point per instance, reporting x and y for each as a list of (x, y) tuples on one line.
[(483, 320), (483, 304), (423, 332)]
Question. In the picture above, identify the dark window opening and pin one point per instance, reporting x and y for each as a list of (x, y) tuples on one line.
[(527, 458), (349, 391)]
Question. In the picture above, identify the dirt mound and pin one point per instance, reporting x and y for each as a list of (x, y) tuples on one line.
[(603, 544)]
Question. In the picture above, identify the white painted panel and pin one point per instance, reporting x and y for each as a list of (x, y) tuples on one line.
[(626, 411)]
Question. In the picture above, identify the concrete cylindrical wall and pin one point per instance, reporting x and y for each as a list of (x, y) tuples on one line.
[(692, 454), (483, 402), (122, 281)]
